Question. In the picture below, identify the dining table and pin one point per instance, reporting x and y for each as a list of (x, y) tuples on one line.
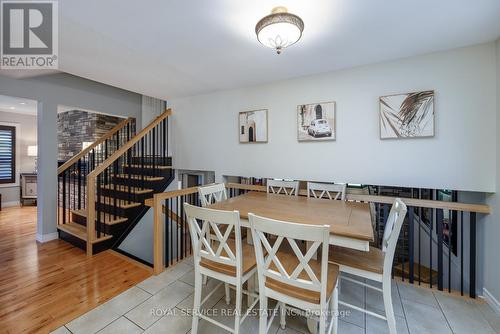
[(350, 222)]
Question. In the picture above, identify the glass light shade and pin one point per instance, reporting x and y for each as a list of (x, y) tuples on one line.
[(280, 29), (32, 151)]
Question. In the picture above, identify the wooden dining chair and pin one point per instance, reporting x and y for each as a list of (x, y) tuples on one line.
[(290, 188), (326, 190), (212, 194), (228, 260), (376, 264), (293, 278)]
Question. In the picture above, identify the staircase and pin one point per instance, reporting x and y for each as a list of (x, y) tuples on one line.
[(102, 190)]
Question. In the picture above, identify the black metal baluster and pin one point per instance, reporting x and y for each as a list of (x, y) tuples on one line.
[(411, 244), (98, 206), (472, 266), (167, 255), (64, 196), (462, 253), (439, 226), (430, 245), (181, 217), (419, 245), (169, 212), (79, 175), (142, 161), (450, 238)]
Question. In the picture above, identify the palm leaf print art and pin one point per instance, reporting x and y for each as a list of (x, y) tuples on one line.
[(407, 115)]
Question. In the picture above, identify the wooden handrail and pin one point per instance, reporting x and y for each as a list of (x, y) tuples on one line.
[(423, 203), (122, 150), (157, 198), (86, 150)]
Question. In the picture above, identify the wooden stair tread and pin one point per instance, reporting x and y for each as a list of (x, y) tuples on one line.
[(120, 203), (109, 219), (80, 232), (139, 177), (149, 166), (133, 190)]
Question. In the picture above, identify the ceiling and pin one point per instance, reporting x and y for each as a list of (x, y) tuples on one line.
[(17, 105), (178, 48)]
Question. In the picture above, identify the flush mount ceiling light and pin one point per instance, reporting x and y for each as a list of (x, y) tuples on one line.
[(280, 29)]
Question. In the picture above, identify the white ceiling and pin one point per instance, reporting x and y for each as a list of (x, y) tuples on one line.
[(17, 105), (177, 48)]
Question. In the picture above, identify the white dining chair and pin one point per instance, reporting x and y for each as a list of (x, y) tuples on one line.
[(290, 188), (292, 277), (212, 194), (227, 260), (326, 190), (376, 264)]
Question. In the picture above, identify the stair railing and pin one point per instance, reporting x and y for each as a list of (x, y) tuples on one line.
[(148, 149), (72, 175)]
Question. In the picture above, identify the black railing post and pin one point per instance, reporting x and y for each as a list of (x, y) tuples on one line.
[(472, 267), (439, 226), (410, 245)]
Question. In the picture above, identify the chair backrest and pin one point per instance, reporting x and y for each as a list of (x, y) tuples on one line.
[(391, 232), (268, 261), (290, 188), (326, 190), (212, 194), (205, 226)]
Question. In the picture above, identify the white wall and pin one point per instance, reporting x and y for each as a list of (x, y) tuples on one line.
[(492, 223), (461, 156), (25, 136)]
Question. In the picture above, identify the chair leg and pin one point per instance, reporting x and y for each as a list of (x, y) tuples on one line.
[(263, 314), (197, 301), (389, 311), (282, 315), (237, 317), (228, 295), (334, 308), (322, 321)]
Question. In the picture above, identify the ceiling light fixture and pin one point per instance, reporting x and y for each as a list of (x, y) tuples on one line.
[(22, 103), (12, 108), (280, 29)]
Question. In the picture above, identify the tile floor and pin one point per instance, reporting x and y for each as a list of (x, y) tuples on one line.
[(158, 305)]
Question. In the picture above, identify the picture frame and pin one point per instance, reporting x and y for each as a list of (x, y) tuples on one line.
[(253, 126), (316, 121), (407, 115)]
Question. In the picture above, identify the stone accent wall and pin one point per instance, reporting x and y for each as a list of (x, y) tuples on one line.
[(75, 127)]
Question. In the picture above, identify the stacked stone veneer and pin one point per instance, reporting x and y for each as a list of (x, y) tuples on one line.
[(75, 127)]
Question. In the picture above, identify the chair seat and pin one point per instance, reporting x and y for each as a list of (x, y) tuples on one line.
[(248, 259), (372, 261), (290, 262)]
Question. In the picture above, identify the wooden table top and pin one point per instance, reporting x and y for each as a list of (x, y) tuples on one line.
[(346, 219)]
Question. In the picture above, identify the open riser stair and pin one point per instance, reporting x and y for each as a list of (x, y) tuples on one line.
[(99, 206)]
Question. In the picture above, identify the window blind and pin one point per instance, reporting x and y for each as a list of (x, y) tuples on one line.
[(7, 154)]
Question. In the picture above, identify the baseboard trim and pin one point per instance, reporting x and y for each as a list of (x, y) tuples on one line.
[(491, 300), (9, 204), (47, 237)]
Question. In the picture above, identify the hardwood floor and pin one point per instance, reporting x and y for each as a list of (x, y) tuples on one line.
[(43, 286)]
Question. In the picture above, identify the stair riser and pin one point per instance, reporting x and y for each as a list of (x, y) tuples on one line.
[(167, 161), (122, 212), (125, 195), (76, 218), (138, 183), (145, 171)]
